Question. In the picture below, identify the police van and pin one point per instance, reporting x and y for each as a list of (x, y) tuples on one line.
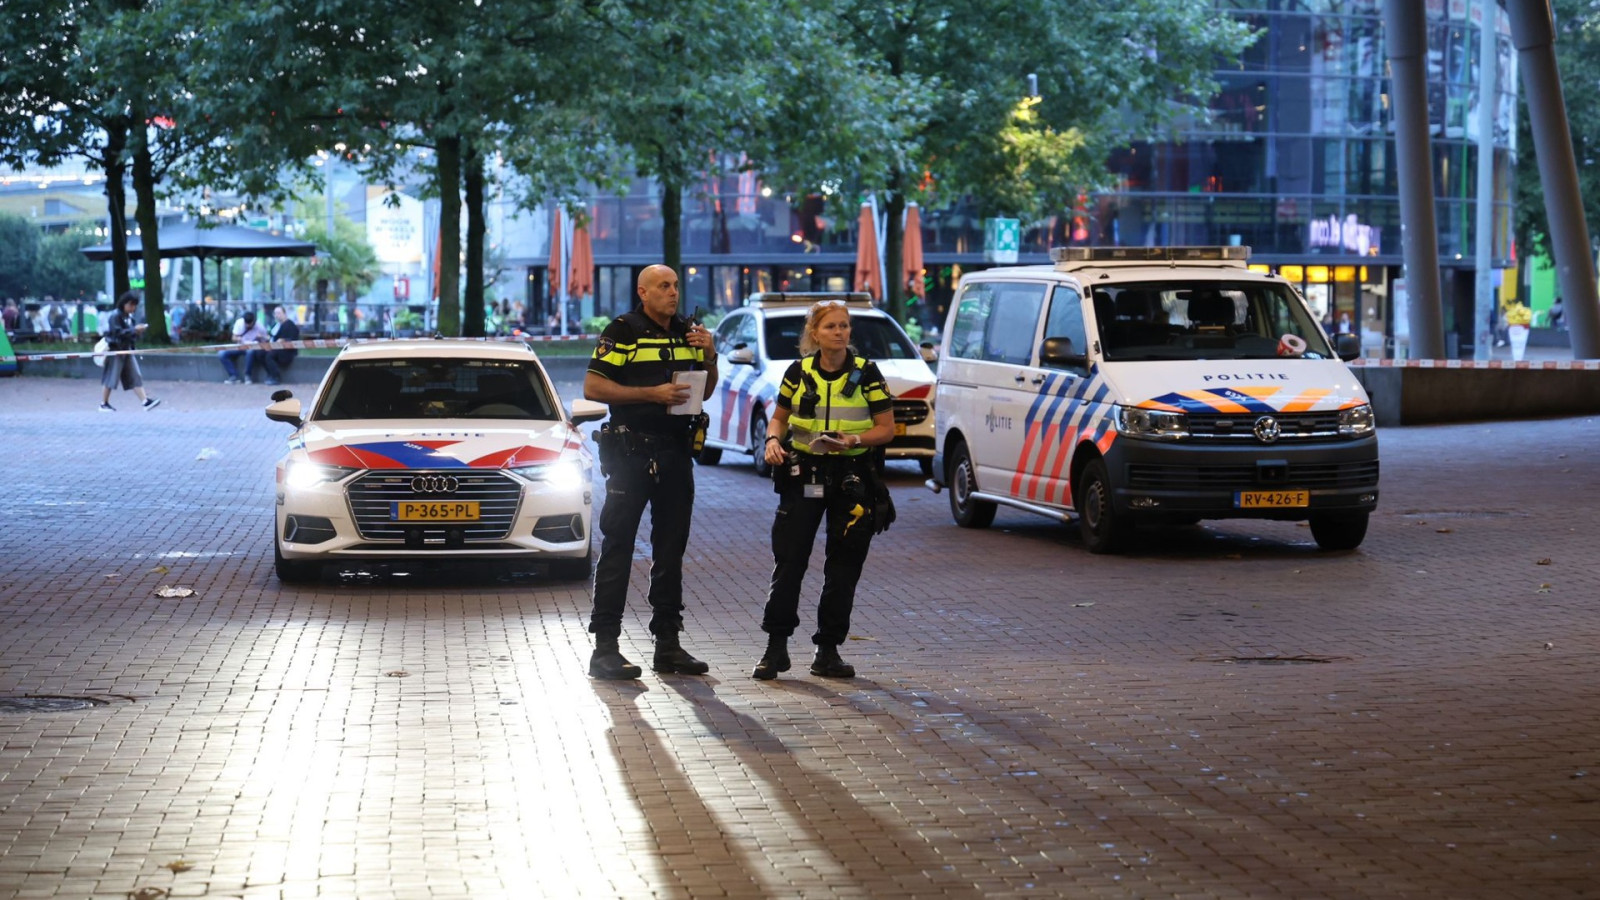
[(1141, 385)]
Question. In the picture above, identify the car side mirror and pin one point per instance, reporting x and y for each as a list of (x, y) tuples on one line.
[(930, 352), (1347, 345), (285, 409), (742, 356), (1058, 353), (588, 411)]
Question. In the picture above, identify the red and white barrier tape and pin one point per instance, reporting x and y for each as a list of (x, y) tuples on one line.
[(288, 345), (1588, 365)]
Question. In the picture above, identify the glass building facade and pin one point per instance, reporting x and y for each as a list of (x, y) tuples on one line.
[(1296, 159)]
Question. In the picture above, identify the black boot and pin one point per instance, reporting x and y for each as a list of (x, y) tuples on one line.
[(671, 658), (829, 665), (775, 660), (609, 663)]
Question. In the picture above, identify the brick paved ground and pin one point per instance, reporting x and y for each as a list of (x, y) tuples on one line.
[(1031, 721)]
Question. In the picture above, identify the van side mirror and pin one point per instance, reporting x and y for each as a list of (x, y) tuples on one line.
[(1058, 353), (1347, 345)]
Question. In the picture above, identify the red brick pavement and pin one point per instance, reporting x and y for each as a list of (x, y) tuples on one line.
[(1031, 721)]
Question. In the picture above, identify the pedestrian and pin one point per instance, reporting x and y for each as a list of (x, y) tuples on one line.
[(1558, 315), (122, 330), (275, 360), (247, 334), (646, 453), (832, 408)]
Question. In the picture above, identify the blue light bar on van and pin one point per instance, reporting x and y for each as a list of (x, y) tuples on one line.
[(1148, 254)]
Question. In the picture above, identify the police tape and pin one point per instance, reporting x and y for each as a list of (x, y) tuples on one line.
[(286, 345)]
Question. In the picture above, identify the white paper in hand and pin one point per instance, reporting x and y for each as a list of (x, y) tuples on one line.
[(696, 380)]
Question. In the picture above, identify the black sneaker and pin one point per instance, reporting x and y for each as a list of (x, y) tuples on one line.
[(106, 407), (151, 403)]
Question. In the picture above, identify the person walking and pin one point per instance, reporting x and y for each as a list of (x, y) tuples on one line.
[(646, 455), (832, 407), (121, 332)]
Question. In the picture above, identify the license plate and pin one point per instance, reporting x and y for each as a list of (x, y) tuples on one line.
[(1270, 499), (899, 429), (435, 511)]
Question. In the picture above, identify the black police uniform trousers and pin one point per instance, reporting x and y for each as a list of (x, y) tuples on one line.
[(794, 531), (669, 492)]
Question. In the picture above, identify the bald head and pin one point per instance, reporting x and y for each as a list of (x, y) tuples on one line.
[(658, 293)]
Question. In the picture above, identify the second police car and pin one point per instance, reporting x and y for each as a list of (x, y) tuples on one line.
[(433, 449), (1129, 385), (758, 341)]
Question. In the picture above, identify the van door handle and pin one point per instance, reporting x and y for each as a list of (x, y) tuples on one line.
[(1038, 379)]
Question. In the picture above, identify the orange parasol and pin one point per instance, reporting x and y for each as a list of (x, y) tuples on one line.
[(911, 253), (869, 274), (580, 282)]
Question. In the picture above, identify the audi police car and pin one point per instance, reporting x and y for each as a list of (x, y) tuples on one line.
[(433, 449), (1129, 385), (758, 341)]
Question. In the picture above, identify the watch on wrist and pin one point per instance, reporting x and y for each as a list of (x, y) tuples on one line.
[(773, 437)]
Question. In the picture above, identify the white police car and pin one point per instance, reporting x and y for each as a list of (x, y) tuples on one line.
[(1126, 385), (759, 341), (433, 449)]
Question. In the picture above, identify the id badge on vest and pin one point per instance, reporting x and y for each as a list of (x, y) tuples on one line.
[(813, 489)]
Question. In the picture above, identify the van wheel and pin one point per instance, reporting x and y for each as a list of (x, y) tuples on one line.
[(758, 444), (968, 512), (1103, 530), (709, 455), (1339, 532), (292, 571)]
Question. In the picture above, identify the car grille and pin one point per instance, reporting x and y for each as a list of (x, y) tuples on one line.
[(910, 412), (496, 493), (1312, 476), (1241, 427)]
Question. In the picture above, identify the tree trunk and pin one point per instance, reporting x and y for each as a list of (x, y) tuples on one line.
[(472, 173), (144, 192), (449, 175), (672, 226), (116, 203)]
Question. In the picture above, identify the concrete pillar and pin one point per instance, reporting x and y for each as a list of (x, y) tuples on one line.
[(1533, 33), (1488, 100), (1406, 36)]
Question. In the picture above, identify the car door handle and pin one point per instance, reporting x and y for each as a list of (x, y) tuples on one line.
[(1039, 378), (1019, 378)]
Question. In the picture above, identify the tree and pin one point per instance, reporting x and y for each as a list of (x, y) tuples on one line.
[(1577, 49), (19, 251), (345, 260), (64, 271)]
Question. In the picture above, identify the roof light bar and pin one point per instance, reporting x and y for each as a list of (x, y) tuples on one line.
[(1148, 254)]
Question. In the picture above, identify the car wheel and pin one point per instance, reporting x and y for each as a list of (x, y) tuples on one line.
[(758, 444), (1339, 532), (968, 512), (573, 569), (292, 571), (709, 455), (926, 465), (1103, 530)]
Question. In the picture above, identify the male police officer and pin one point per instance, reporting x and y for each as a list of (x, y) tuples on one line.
[(645, 451)]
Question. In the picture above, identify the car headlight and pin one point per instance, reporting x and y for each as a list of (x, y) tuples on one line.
[(1356, 421), (565, 474), (302, 474), (1152, 424)]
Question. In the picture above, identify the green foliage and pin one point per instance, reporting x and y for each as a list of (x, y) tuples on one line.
[(595, 324), (345, 260), (1577, 48), (19, 252), (407, 320), (204, 324), (65, 272)]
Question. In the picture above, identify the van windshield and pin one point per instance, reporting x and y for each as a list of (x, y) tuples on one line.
[(1203, 320), (874, 337)]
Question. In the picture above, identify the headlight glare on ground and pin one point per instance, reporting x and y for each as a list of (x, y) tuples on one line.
[(302, 474)]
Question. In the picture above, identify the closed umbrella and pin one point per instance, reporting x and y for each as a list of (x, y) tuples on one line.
[(555, 257), (581, 275), (869, 274), (911, 253)]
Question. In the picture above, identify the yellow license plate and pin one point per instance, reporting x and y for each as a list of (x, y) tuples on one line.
[(899, 429), (435, 511), (1271, 499)]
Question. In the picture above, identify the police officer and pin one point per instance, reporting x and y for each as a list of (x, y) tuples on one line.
[(645, 451), (832, 408)]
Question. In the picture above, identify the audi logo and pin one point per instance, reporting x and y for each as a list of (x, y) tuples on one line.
[(434, 484), (1267, 429)]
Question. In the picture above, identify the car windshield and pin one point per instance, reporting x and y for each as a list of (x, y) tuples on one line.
[(874, 337), (436, 389), (1203, 320)]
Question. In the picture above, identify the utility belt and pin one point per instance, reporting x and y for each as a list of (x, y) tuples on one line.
[(618, 440), (850, 480)]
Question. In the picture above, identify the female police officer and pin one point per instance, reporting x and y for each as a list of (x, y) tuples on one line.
[(832, 407)]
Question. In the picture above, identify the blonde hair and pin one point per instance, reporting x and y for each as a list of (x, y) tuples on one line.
[(808, 339)]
